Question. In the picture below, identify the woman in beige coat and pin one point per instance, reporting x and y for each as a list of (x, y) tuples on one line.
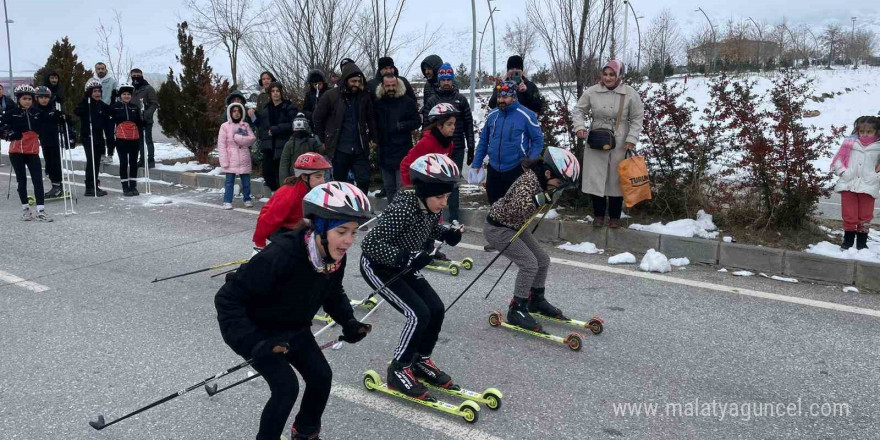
[(601, 103)]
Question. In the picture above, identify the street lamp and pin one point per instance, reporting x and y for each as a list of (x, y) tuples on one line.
[(492, 18), (473, 53), (8, 42), (714, 35), (639, 30), (482, 34)]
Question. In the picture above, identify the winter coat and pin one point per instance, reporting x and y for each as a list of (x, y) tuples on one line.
[(57, 95), (50, 125), (860, 176), (277, 292), (6, 104), (23, 128), (396, 118), (377, 82), (236, 93), (464, 122), (146, 94), (531, 98), (234, 141), (281, 130), (312, 94), (109, 87), (508, 137), (431, 86), (99, 115), (518, 204), (295, 147), (429, 143), (283, 210), (329, 114), (120, 113), (405, 226), (600, 166)]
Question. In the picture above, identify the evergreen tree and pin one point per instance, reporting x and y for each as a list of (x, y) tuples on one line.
[(462, 78), (189, 105), (72, 75)]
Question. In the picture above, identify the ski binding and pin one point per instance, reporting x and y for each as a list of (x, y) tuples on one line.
[(468, 410), (573, 340)]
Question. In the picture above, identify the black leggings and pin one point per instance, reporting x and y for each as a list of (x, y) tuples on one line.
[(614, 205), (271, 165), (32, 163), (414, 297), (52, 155), (306, 357), (128, 158)]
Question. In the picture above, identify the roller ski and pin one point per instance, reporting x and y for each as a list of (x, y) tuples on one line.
[(433, 378), (366, 304), (408, 388), (450, 266), (519, 319), (33, 202), (539, 307)]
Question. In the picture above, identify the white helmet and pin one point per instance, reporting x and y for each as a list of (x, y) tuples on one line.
[(24, 89), (126, 87), (441, 112), (93, 84)]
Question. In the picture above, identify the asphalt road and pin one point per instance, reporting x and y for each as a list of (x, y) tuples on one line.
[(88, 333)]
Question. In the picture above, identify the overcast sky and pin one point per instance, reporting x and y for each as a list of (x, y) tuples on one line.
[(151, 36)]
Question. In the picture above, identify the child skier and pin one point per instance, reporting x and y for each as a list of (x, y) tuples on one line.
[(20, 125), (233, 145), (858, 164), (51, 124), (284, 210), (95, 127), (540, 182), (436, 138), (128, 123), (265, 309), (400, 242), (300, 143)]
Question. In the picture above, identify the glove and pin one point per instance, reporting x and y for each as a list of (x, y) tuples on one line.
[(353, 331), (451, 236), (265, 349), (418, 260), (57, 113), (543, 198)]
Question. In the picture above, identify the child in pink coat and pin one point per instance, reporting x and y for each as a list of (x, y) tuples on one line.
[(233, 145)]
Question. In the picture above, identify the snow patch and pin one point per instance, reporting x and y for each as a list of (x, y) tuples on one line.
[(722, 270), (872, 254), (181, 167), (679, 262), (654, 261), (779, 278), (373, 193), (701, 227), (727, 239), (742, 273), (624, 258), (215, 172), (850, 289), (158, 200), (264, 200), (584, 248), (551, 214)]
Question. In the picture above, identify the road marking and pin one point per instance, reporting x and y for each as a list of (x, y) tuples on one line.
[(451, 427), (13, 280), (709, 286)]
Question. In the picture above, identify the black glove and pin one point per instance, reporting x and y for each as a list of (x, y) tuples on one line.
[(452, 236), (470, 155), (543, 198), (353, 331), (418, 260), (264, 349), (58, 113)]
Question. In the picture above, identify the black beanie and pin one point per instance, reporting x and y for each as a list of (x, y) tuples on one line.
[(515, 62), (425, 189), (385, 62)]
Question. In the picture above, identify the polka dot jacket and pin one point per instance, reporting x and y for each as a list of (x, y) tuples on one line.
[(406, 226)]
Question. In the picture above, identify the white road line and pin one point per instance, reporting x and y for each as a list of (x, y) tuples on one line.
[(450, 426), (11, 279), (709, 286)]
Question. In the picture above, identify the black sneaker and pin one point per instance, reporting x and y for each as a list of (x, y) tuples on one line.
[(55, 192), (539, 304), (424, 368), (402, 379), (489, 248), (518, 315), (134, 190)]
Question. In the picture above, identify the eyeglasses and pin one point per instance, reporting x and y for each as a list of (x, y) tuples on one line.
[(445, 72)]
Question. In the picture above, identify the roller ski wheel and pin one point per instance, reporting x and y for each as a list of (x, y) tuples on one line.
[(366, 304), (468, 410), (573, 341), (32, 201), (453, 269), (491, 397), (595, 325), (467, 263), (448, 266), (323, 318)]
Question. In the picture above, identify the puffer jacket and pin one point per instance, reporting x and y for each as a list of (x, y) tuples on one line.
[(281, 130), (120, 113), (464, 122), (396, 118), (434, 62), (432, 141), (405, 226), (860, 176), (377, 81), (233, 144), (23, 128), (508, 137)]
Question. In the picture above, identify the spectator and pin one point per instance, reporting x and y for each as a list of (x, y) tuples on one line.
[(315, 88), (430, 65), (145, 97), (858, 164), (526, 91), (602, 102), (266, 79), (386, 67), (51, 124), (234, 141), (274, 126), (237, 97), (52, 82), (300, 143), (95, 114), (436, 138), (396, 118), (108, 86), (5, 103)]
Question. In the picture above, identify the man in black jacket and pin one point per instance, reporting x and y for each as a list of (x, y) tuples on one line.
[(346, 123), (386, 67), (430, 65), (145, 94), (463, 138), (396, 118), (274, 127), (51, 81), (526, 93)]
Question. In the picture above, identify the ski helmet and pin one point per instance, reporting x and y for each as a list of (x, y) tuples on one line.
[(300, 123), (93, 84), (441, 112), (562, 164), (337, 200), (310, 163), (42, 91), (24, 89), (126, 87), (434, 168)]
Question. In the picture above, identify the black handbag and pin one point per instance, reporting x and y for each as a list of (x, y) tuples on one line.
[(603, 138)]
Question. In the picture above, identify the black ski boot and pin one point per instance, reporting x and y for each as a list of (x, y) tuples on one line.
[(126, 189), (861, 240), (539, 304), (518, 315), (424, 368), (134, 188), (401, 379), (849, 237), (55, 192)]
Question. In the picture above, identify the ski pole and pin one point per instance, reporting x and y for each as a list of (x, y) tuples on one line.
[(94, 158), (224, 272), (101, 423), (70, 174), (64, 188), (232, 263), (147, 186)]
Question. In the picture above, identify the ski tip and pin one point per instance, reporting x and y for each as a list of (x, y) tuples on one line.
[(211, 388), (98, 424)]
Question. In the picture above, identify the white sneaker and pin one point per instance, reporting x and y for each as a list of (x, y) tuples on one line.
[(107, 160), (41, 216), (26, 214), (249, 204), (227, 206)]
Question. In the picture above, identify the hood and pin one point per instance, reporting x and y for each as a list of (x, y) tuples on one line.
[(350, 70), (233, 95), (380, 91), (434, 62), (46, 79), (229, 111), (316, 75)]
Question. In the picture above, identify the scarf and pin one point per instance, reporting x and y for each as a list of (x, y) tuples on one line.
[(320, 265), (617, 67)]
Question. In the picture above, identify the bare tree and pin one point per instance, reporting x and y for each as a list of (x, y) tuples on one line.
[(111, 45), (663, 40), (863, 45), (520, 38), (377, 35), (224, 23), (832, 39), (703, 47)]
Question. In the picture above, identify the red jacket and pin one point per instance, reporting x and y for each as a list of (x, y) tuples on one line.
[(427, 144), (284, 209)]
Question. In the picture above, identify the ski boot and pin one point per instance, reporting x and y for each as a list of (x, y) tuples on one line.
[(26, 214), (402, 380), (518, 315), (55, 192), (41, 216), (849, 238), (126, 190), (538, 304), (91, 192), (134, 189), (424, 368), (862, 236)]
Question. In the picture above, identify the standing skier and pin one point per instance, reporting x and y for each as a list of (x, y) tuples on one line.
[(51, 123), (95, 126), (128, 122), (401, 243), (20, 125), (265, 309), (540, 183)]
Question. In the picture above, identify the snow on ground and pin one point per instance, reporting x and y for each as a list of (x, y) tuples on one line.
[(587, 219), (551, 214), (584, 248), (624, 258), (722, 270), (468, 189), (742, 273), (701, 227), (728, 239), (679, 262), (779, 278), (158, 200), (181, 167), (872, 254), (215, 172), (850, 289), (654, 261), (164, 151)]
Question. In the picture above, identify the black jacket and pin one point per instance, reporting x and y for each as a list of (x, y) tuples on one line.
[(278, 291), (431, 85), (312, 95), (464, 123), (406, 226), (121, 112), (396, 118), (17, 121), (329, 114), (377, 81), (281, 130), (146, 94), (531, 98), (57, 94), (50, 124), (10, 104), (99, 115)]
